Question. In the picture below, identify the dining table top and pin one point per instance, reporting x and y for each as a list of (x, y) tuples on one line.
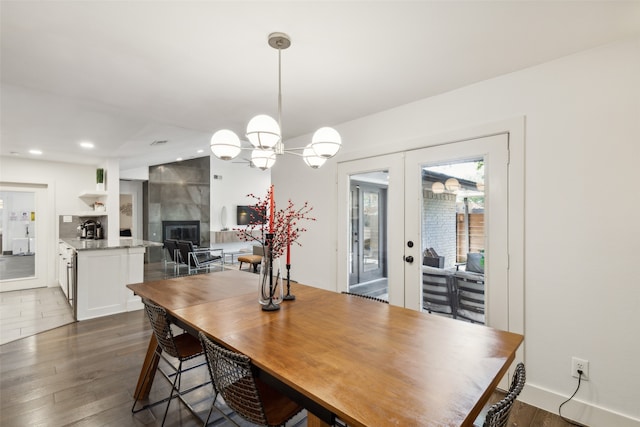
[(368, 363)]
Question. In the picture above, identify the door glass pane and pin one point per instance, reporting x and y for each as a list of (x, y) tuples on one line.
[(354, 224), (17, 235), (371, 236), (453, 239), (368, 228)]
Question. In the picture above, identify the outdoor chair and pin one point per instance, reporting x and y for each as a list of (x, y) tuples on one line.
[(234, 377), (438, 294), (366, 297), (182, 347), (197, 259), (470, 291), (497, 414)]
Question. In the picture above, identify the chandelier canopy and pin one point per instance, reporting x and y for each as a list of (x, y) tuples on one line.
[(264, 133)]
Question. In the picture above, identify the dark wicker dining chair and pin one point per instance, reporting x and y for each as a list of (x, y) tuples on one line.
[(182, 347), (498, 414), (366, 297), (234, 378)]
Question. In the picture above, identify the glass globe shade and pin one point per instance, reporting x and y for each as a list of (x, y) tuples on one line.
[(311, 158), (437, 188), (225, 144), (326, 142), (263, 159), (452, 184), (263, 132)]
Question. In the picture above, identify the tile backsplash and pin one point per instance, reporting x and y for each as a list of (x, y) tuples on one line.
[(69, 230)]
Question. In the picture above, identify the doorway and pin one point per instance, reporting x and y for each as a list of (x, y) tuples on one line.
[(410, 233), (22, 260), (368, 231)]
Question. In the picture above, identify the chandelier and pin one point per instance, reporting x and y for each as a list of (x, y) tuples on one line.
[(265, 133)]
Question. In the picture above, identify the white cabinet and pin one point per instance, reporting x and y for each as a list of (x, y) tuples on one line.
[(62, 266), (66, 271), (102, 278)]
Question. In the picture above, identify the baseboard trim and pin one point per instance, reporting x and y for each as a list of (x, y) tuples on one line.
[(576, 410)]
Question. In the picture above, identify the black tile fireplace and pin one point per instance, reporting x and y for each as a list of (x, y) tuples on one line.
[(181, 230)]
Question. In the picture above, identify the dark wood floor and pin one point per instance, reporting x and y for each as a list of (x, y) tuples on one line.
[(30, 311), (83, 374)]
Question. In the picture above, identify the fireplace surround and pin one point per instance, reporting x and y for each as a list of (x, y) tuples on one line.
[(181, 230)]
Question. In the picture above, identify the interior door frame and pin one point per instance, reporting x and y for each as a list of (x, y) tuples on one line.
[(39, 279)]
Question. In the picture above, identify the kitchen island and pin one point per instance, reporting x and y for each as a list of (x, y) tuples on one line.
[(103, 268)]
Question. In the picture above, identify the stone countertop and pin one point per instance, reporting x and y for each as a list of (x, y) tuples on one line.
[(90, 244)]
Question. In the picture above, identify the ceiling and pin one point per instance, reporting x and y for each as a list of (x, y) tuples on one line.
[(124, 74)]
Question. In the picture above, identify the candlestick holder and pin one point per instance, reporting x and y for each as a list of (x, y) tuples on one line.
[(289, 296)]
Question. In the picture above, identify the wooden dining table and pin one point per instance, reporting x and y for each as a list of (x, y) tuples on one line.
[(362, 361)]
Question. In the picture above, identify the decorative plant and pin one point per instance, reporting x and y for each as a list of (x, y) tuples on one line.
[(100, 175), (284, 225)]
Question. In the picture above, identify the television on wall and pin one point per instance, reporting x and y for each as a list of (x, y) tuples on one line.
[(249, 215)]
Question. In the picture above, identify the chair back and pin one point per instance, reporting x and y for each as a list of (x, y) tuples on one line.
[(233, 377), (498, 413), (161, 327), (172, 247), (184, 247), (366, 297), (437, 291), (470, 288)]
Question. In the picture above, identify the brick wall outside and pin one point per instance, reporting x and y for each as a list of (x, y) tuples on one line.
[(439, 225)]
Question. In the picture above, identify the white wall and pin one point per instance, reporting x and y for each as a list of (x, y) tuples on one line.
[(64, 183), (134, 188), (234, 182), (581, 295)]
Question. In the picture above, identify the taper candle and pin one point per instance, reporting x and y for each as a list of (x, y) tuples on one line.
[(289, 243), (271, 209)]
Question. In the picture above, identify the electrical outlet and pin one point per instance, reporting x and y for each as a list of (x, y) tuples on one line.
[(580, 364)]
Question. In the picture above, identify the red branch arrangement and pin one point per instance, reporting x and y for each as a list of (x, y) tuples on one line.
[(286, 227)]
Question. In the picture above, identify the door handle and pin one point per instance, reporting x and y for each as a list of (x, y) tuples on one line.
[(409, 259)]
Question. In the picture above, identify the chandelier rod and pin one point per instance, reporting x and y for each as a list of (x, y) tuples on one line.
[(280, 144)]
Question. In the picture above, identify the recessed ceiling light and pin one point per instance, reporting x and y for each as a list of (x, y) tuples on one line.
[(36, 152), (200, 151), (179, 159), (86, 144)]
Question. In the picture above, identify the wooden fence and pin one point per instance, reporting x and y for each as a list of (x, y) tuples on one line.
[(471, 238)]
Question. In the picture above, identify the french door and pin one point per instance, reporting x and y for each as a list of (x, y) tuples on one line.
[(407, 216)]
